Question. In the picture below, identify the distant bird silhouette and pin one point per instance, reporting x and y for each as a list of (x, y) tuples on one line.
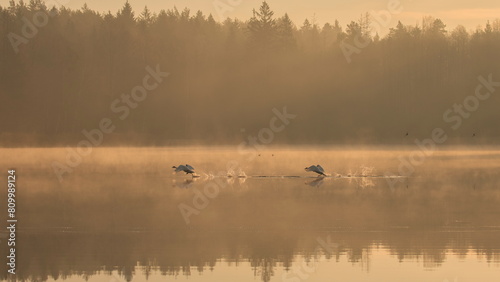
[(186, 168), (316, 168), (406, 134), (474, 135)]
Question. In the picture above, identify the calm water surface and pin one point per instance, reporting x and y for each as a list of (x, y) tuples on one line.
[(121, 215)]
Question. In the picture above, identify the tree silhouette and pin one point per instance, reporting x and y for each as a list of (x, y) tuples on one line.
[(226, 76), (286, 30), (262, 27), (126, 14)]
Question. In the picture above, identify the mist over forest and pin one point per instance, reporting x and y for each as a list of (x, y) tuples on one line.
[(62, 71)]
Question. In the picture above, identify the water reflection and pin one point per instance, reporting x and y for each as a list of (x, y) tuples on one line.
[(316, 182), (63, 254), (101, 221), (184, 183)]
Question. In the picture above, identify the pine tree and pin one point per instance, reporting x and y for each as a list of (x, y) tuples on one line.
[(262, 27), (126, 14), (353, 30), (146, 17), (286, 35)]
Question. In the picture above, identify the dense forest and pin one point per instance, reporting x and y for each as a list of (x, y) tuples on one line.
[(61, 71)]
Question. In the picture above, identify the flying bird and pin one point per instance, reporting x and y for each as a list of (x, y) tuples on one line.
[(316, 168), (186, 168)]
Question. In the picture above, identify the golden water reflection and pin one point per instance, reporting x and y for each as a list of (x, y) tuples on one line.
[(118, 218)]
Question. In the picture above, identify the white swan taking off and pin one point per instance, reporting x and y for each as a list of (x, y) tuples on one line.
[(186, 168), (316, 168)]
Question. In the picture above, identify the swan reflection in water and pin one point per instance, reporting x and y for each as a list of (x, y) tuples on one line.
[(184, 184), (220, 179), (316, 182)]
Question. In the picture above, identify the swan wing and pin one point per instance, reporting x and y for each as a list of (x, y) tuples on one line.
[(320, 168), (180, 168)]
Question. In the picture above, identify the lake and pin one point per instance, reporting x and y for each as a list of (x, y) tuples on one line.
[(383, 214)]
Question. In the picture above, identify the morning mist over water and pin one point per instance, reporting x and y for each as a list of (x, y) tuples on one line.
[(152, 144)]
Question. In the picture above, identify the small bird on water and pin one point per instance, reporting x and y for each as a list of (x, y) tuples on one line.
[(316, 168), (186, 168)]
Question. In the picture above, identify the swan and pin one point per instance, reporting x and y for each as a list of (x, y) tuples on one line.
[(186, 168), (316, 168)]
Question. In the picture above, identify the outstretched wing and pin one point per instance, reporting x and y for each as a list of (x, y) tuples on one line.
[(189, 167), (180, 168), (320, 168)]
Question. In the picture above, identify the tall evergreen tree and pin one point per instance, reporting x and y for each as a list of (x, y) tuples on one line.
[(286, 30), (262, 27)]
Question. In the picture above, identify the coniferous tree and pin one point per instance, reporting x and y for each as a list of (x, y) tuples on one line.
[(286, 33), (262, 27), (63, 79)]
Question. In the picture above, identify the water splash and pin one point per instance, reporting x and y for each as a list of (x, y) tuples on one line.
[(240, 174), (367, 171)]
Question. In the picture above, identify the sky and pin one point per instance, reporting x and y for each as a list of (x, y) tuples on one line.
[(471, 14)]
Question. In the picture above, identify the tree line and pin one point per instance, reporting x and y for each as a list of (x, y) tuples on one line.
[(60, 69)]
